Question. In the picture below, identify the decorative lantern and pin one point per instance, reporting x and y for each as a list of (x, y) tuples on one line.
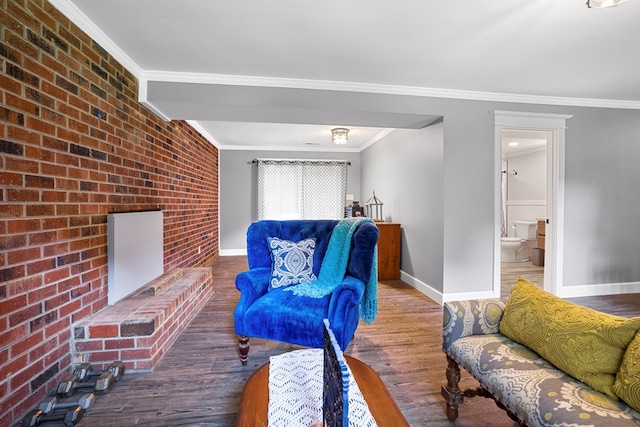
[(374, 208)]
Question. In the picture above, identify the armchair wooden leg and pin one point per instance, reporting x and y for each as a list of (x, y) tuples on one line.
[(451, 392), (243, 345)]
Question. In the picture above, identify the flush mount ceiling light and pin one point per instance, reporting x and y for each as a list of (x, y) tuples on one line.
[(600, 4), (340, 136)]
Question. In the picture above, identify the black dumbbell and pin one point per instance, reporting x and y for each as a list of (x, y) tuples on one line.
[(84, 370), (70, 417), (86, 401), (101, 385)]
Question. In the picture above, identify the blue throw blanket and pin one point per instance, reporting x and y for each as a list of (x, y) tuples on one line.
[(334, 267)]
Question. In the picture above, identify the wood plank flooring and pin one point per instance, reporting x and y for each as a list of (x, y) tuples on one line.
[(199, 381), (510, 271)]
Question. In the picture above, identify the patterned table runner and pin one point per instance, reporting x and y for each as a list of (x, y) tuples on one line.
[(295, 391)]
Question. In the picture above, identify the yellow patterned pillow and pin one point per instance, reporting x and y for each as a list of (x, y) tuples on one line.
[(584, 343), (627, 385)]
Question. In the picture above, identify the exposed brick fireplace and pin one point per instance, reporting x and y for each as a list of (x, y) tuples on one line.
[(139, 329), (75, 145)]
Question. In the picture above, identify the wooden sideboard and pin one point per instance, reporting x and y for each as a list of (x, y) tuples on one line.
[(389, 250)]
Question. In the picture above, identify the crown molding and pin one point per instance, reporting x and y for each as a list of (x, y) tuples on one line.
[(142, 98), (536, 120), (198, 127), (72, 12), (75, 15), (288, 148), (277, 82), (377, 137)]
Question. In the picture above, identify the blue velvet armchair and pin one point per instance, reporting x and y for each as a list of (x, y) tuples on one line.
[(277, 314)]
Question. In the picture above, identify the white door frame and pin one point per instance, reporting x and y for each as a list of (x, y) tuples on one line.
[(554, 125)]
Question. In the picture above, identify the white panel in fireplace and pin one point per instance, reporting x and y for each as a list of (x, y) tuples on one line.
[(135, 247)]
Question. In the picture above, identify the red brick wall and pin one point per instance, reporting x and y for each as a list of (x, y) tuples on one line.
[(75, 145)]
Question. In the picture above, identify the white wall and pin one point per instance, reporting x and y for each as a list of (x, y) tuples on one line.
[(526, 195)]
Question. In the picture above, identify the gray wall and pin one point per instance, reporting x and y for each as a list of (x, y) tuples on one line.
[(237, 189), (405, 170), (601, 238), (468, 196)]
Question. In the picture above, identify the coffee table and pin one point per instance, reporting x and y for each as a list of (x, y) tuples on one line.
[(254, 403)]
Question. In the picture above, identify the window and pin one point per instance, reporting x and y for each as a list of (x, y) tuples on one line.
[(301, 189)]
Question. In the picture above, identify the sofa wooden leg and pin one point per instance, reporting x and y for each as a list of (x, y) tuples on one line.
[(243, 345), (451, 392)]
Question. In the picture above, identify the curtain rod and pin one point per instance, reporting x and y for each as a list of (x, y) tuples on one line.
[(303, 160)]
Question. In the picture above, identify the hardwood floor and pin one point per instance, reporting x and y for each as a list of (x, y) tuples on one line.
[(199, 381), (510, 271), (627, 305)]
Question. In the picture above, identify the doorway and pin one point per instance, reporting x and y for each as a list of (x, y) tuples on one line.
[(553, 126), (523, 205)]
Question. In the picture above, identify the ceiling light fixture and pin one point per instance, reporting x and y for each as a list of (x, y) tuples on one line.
[(600, 4), (340, 136)]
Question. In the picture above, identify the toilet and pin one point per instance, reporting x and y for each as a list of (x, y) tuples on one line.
[(518, 248)]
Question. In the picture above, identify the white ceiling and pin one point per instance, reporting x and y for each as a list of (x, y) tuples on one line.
[(247, 71), (521, 141)]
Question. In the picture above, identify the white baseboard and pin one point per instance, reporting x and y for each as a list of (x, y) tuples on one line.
[(598, 289), (438, 296), (233, 252), (430, 292)]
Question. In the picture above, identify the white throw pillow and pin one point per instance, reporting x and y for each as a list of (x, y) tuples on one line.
[(291, 262)]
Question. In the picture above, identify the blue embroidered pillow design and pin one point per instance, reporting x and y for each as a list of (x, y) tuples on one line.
[(291, 262)]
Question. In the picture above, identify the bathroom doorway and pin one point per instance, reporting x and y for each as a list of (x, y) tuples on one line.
[(552, 126), (523, 205)]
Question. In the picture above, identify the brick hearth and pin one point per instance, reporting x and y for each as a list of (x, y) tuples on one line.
[(139, 329)]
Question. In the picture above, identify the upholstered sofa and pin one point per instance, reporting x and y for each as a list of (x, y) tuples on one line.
[(269, 309), (594, 379)]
